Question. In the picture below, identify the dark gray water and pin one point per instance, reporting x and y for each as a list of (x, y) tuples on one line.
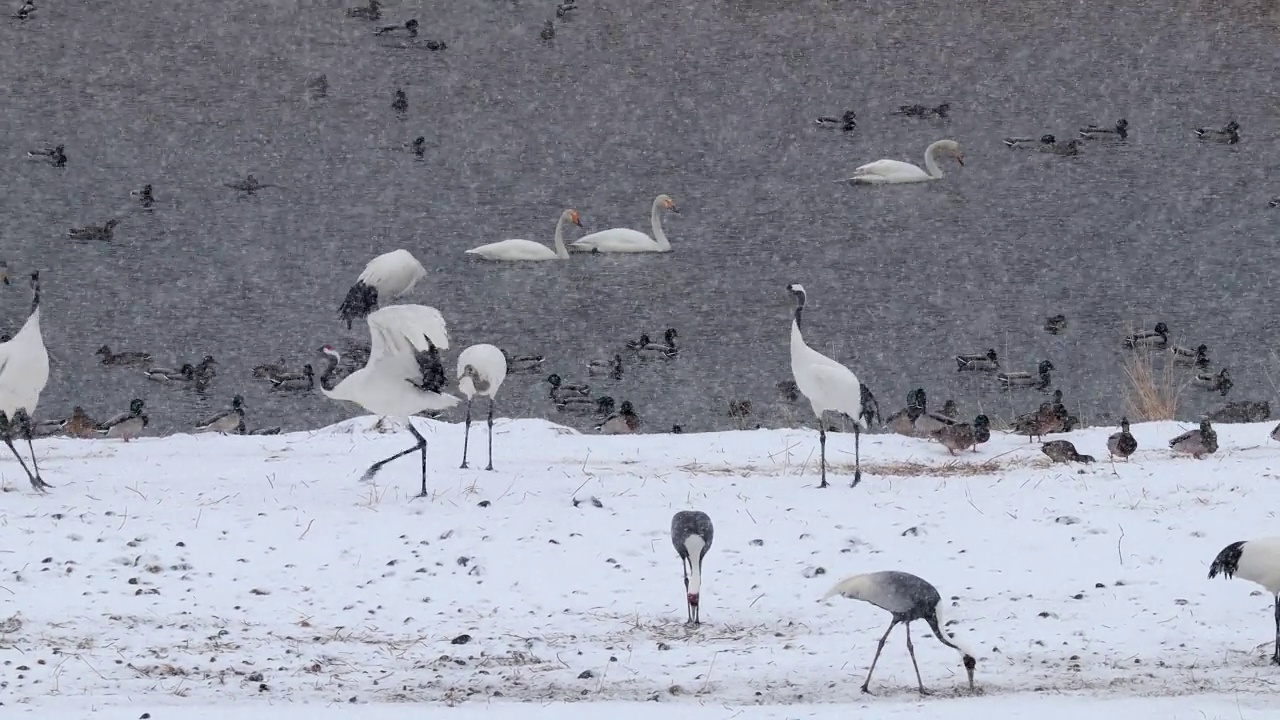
[(711, 102)]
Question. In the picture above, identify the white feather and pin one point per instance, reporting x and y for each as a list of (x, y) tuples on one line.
[(393, 274), (1260, 563), (488, 362)]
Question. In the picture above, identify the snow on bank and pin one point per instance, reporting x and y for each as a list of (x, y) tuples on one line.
[(260, 569)]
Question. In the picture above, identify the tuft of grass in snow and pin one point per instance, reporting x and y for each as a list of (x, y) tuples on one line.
[(1151, 393)]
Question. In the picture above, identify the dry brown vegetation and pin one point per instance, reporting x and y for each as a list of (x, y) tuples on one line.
[(1153, 388)]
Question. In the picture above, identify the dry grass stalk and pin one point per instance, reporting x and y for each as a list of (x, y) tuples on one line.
[(1151, 394)]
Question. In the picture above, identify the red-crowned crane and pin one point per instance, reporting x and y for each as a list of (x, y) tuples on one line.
[(393, 382), (1257, 561), (24, 371), (830, 386), (907, 598), (692, 533), (481, 370), (384, 279)]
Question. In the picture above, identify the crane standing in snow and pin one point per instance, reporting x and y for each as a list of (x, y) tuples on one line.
[(830, 386), (481, 370), (692, 533), (384, 279), (24, 371), (391, 382), (907, 598), (1257, 561)]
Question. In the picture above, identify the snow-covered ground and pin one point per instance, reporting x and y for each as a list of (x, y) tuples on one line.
[(254, 574)]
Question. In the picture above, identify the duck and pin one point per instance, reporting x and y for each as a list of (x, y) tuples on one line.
[(1055, 324), (1275, 433), (1061, 451), (548, 31), (122, 358), (1198, 357), (624, 422), (1038, 380), (1219, 382), (372, 11), (962, 436), (602, 405), (663, 350), (886, 172), (1229, 134), (1197, 443), (930, 422), (1275, 202), (846, 122), (903, 422), (418, 146), (186, 373), (204, 372), (1044, 420), (739, 408), (558, 386), (145, 197), (522, 363), (436, 45), (1094, 132), (318, 86), (788, 390), (273, 430), (410, 27), (1122, 444), (923, 111), (612, 367), (125, 425), (564, 9), (249, 185), (4, 272), (978, 362), (227, 421), (1059, 147), (79, 425), (288, 384), (94, 232), (1242, 411), (981, 431), (24, 12), (58, 158), (269, 370), (1155, 339), (401, 102)]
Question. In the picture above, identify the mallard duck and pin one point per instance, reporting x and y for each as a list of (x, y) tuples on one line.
[(1026, 142), (1036, 424), (1039, 380), (1275, 202), (961, 436), (612, 368), (548, 31), (1242, 411), (559, 386), (145, 198), (1275, 433), (1061, 451), (418, 146), (204, 372), (981, 431), (565, 8), (400, 102), (249, 185), (227, 421), (1055, 324), (1122, 444), (903, 422), (25, 11), (978, 362), (923, 111), (94, 232), (930, 422), (1157, 339), (1199, 357), (624, 422), (371, 11), (270, 370), (602, 405), (1215, 382), (788, 390), (1094, 132), (1060, 147), (125, 425), (410, 27), (1197, 443), (522, 363), (274, 430), (663, 350), (122, 358), (186, 373), (846, 122), (79, 425), (289, 384), (1229, 134)]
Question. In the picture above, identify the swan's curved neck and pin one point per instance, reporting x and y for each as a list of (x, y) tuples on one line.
[(561, 251), (655, 217), (931, 161)]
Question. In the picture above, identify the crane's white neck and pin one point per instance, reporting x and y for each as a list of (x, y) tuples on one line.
[(655, 218), (931, 160), (695, 545), (561, 251)]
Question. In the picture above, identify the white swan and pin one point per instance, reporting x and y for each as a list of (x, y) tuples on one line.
[(883, 172), (626, 240), (528, 249)]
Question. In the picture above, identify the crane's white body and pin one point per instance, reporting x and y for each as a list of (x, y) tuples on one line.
[(528, 250), (383, 386), (24, 368), (392, 274), (885, 172), (488, 363), (827, 384), (626, 240), (1260, 563)]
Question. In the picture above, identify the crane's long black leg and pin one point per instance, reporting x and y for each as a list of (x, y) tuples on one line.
[(876, 659), (911, 650), (25, 421), (422, 445), (822, 442), (1275, 659), (6, 431), (684, 567), (419, 447), (490, 435), (466, 435), (857, 456)]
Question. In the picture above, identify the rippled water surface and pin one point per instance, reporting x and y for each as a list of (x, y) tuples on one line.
[(711, 102)]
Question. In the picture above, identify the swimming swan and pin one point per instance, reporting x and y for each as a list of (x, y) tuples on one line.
[(626, 240), (883, 172), (528, 249)]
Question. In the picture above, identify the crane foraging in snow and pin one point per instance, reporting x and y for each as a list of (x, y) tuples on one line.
[(393, 383), (692, 533), (384, 279), (1257, 561), (481, 370), (830, 386), (24, 371), (907, 598)]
